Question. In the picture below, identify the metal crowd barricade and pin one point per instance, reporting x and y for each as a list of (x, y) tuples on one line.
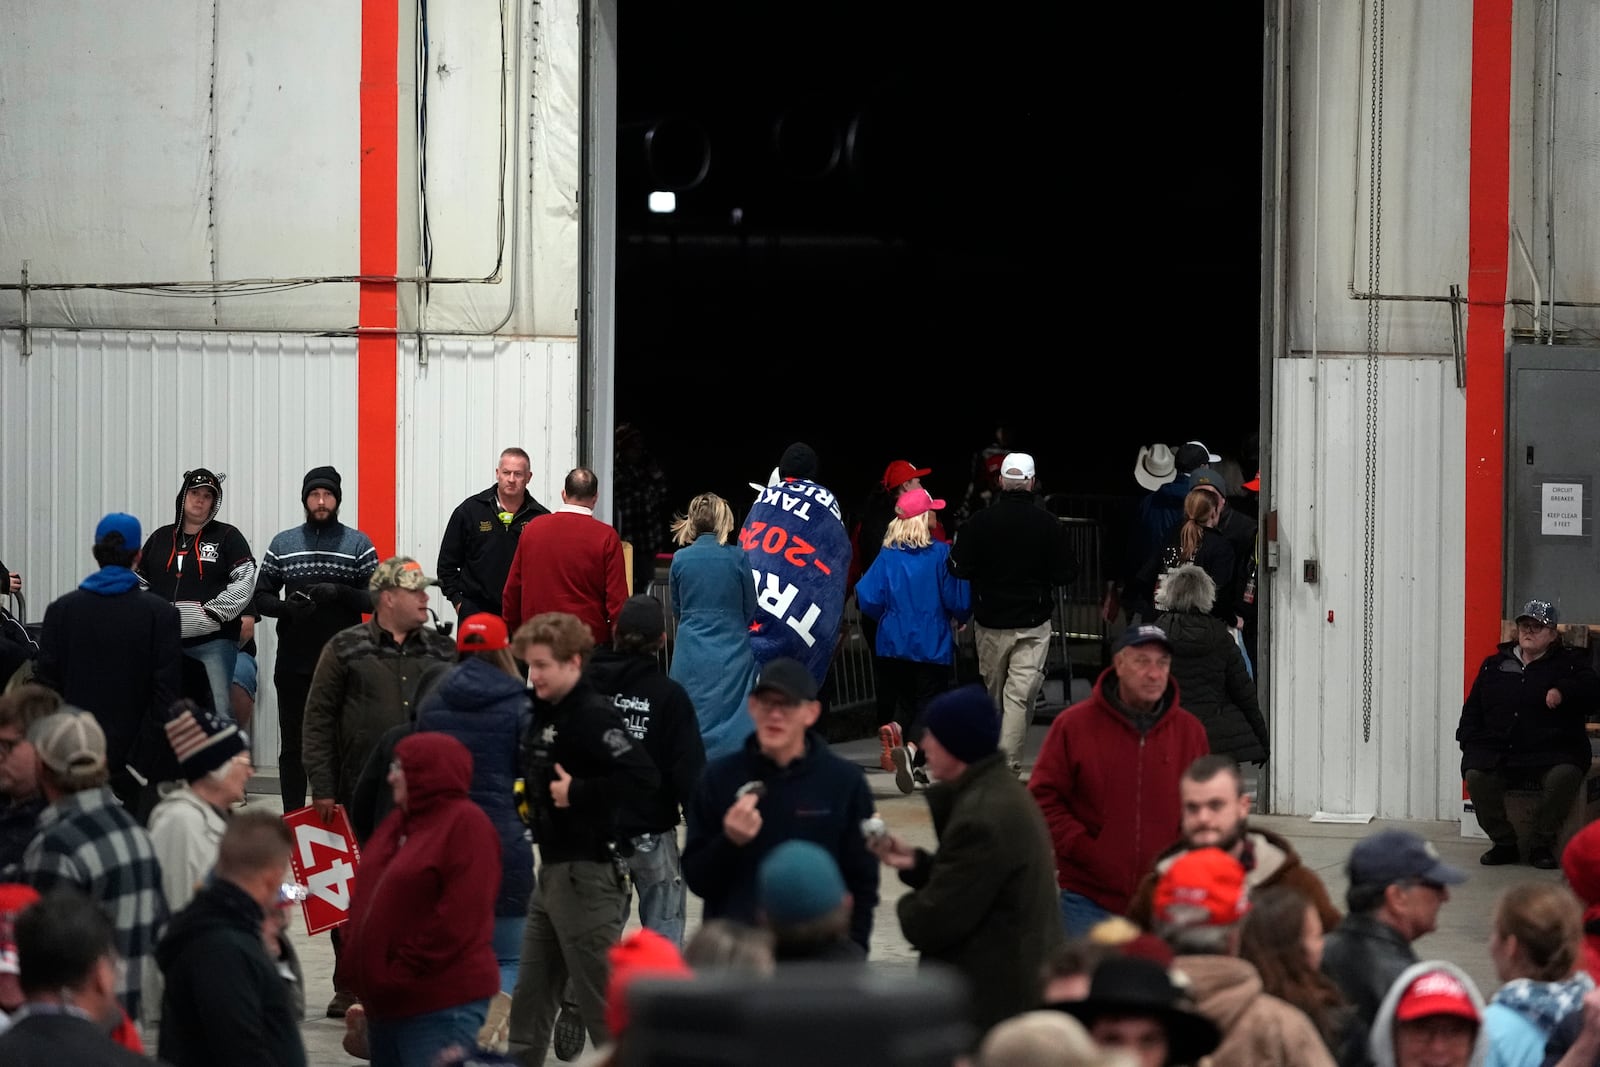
[(1078, 618), (850, 680)]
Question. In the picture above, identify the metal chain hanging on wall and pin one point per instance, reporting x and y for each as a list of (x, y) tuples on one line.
[(1374, 245)]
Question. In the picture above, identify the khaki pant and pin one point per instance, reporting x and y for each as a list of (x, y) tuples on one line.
[(1012, 665), (575, 915)]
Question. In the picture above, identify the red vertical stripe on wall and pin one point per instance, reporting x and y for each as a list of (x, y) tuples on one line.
[(1488, 236), (377, 352)]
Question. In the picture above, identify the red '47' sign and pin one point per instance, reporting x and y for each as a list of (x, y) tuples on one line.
[(325, 859)]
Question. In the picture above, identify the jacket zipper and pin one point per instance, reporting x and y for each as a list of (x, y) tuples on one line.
[(1138, 807)]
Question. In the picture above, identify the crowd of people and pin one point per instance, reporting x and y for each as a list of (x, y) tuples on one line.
[(522, 786)]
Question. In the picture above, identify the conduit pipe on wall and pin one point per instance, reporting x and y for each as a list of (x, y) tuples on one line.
[(257, 286)]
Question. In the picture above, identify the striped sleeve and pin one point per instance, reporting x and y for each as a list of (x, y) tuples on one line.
[(231, 602)]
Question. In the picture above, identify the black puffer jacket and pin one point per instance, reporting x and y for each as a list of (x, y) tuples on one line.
[(1209, 668), (1506, 721)]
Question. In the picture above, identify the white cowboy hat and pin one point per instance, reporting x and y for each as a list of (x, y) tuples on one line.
[(1155, 467)]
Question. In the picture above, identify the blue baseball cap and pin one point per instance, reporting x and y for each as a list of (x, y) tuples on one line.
[(1134, 636), (119, 522), (1390, 856)]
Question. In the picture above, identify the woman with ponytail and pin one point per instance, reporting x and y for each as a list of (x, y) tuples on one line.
[(1196, 541)]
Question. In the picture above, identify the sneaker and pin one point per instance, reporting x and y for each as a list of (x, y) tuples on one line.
[(1500, 855), (1542, 857), (902, 768), (569, 1033), (920, 777), (340, 1004), (355, 1032), (495, 1034), (888, 741)]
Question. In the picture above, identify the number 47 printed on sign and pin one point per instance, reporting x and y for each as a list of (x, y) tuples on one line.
[(325, 859)]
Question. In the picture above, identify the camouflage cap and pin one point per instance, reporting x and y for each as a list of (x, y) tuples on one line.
[(400, 572)]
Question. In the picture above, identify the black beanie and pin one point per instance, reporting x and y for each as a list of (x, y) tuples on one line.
[(321, 478), (799, 461), (964, 722)]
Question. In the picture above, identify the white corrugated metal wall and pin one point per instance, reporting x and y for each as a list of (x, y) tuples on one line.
[(1326, 759), (109, 421), (1408, 215), (220, 141)]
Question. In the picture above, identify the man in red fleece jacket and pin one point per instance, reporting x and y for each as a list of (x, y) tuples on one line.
[(568, 561), (1107, 778), (418, 949)]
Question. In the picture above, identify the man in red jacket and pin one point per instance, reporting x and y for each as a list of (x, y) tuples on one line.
[(1107, 778), (568, 561)]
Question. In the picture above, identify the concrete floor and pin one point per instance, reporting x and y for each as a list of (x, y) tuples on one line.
[(1462, 936)]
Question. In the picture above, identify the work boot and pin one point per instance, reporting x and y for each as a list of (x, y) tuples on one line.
[(340, 1004), (1542, 857), (1500, 855), (569, 1033)]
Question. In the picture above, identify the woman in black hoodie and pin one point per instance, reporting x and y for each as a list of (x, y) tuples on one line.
[(1209, 668)]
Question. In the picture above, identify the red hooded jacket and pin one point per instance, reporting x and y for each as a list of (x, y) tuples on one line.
[(1110, 795), (422, 909)]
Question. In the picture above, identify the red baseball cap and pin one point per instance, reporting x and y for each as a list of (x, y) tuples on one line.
[(1254, 484), (1202, 887), (900, 472), (482, 632), (1435, 992)]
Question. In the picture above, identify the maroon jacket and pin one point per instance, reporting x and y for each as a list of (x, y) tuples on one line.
[(1110, 795), (567, 561), (422, 910)]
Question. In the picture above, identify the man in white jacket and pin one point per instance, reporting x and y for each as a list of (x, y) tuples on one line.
[(187, 825)]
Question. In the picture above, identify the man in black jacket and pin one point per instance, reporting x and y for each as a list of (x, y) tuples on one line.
[(1397, 883), (67, 956), (1523, 724), (660, 716), (785, 783), (1015, 554), (115, 651), (581, 768), (225, 1001), (481, 537)]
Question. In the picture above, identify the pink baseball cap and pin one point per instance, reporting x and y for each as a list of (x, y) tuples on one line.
[(914, 502)]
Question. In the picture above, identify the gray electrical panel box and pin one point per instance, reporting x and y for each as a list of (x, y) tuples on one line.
[(1552, 463)]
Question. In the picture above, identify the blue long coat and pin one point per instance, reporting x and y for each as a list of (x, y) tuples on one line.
[(714, 600)]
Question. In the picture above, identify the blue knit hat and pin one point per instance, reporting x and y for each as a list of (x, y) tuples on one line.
[(964, 722), (799, 883)]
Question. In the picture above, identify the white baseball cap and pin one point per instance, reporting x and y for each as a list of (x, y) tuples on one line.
[(1017, 465)]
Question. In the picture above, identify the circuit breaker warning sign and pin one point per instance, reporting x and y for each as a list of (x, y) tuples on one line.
[(1562, 511)]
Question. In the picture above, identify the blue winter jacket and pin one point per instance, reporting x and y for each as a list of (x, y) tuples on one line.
[(913, 596), (486, 709), (1160, 513)]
